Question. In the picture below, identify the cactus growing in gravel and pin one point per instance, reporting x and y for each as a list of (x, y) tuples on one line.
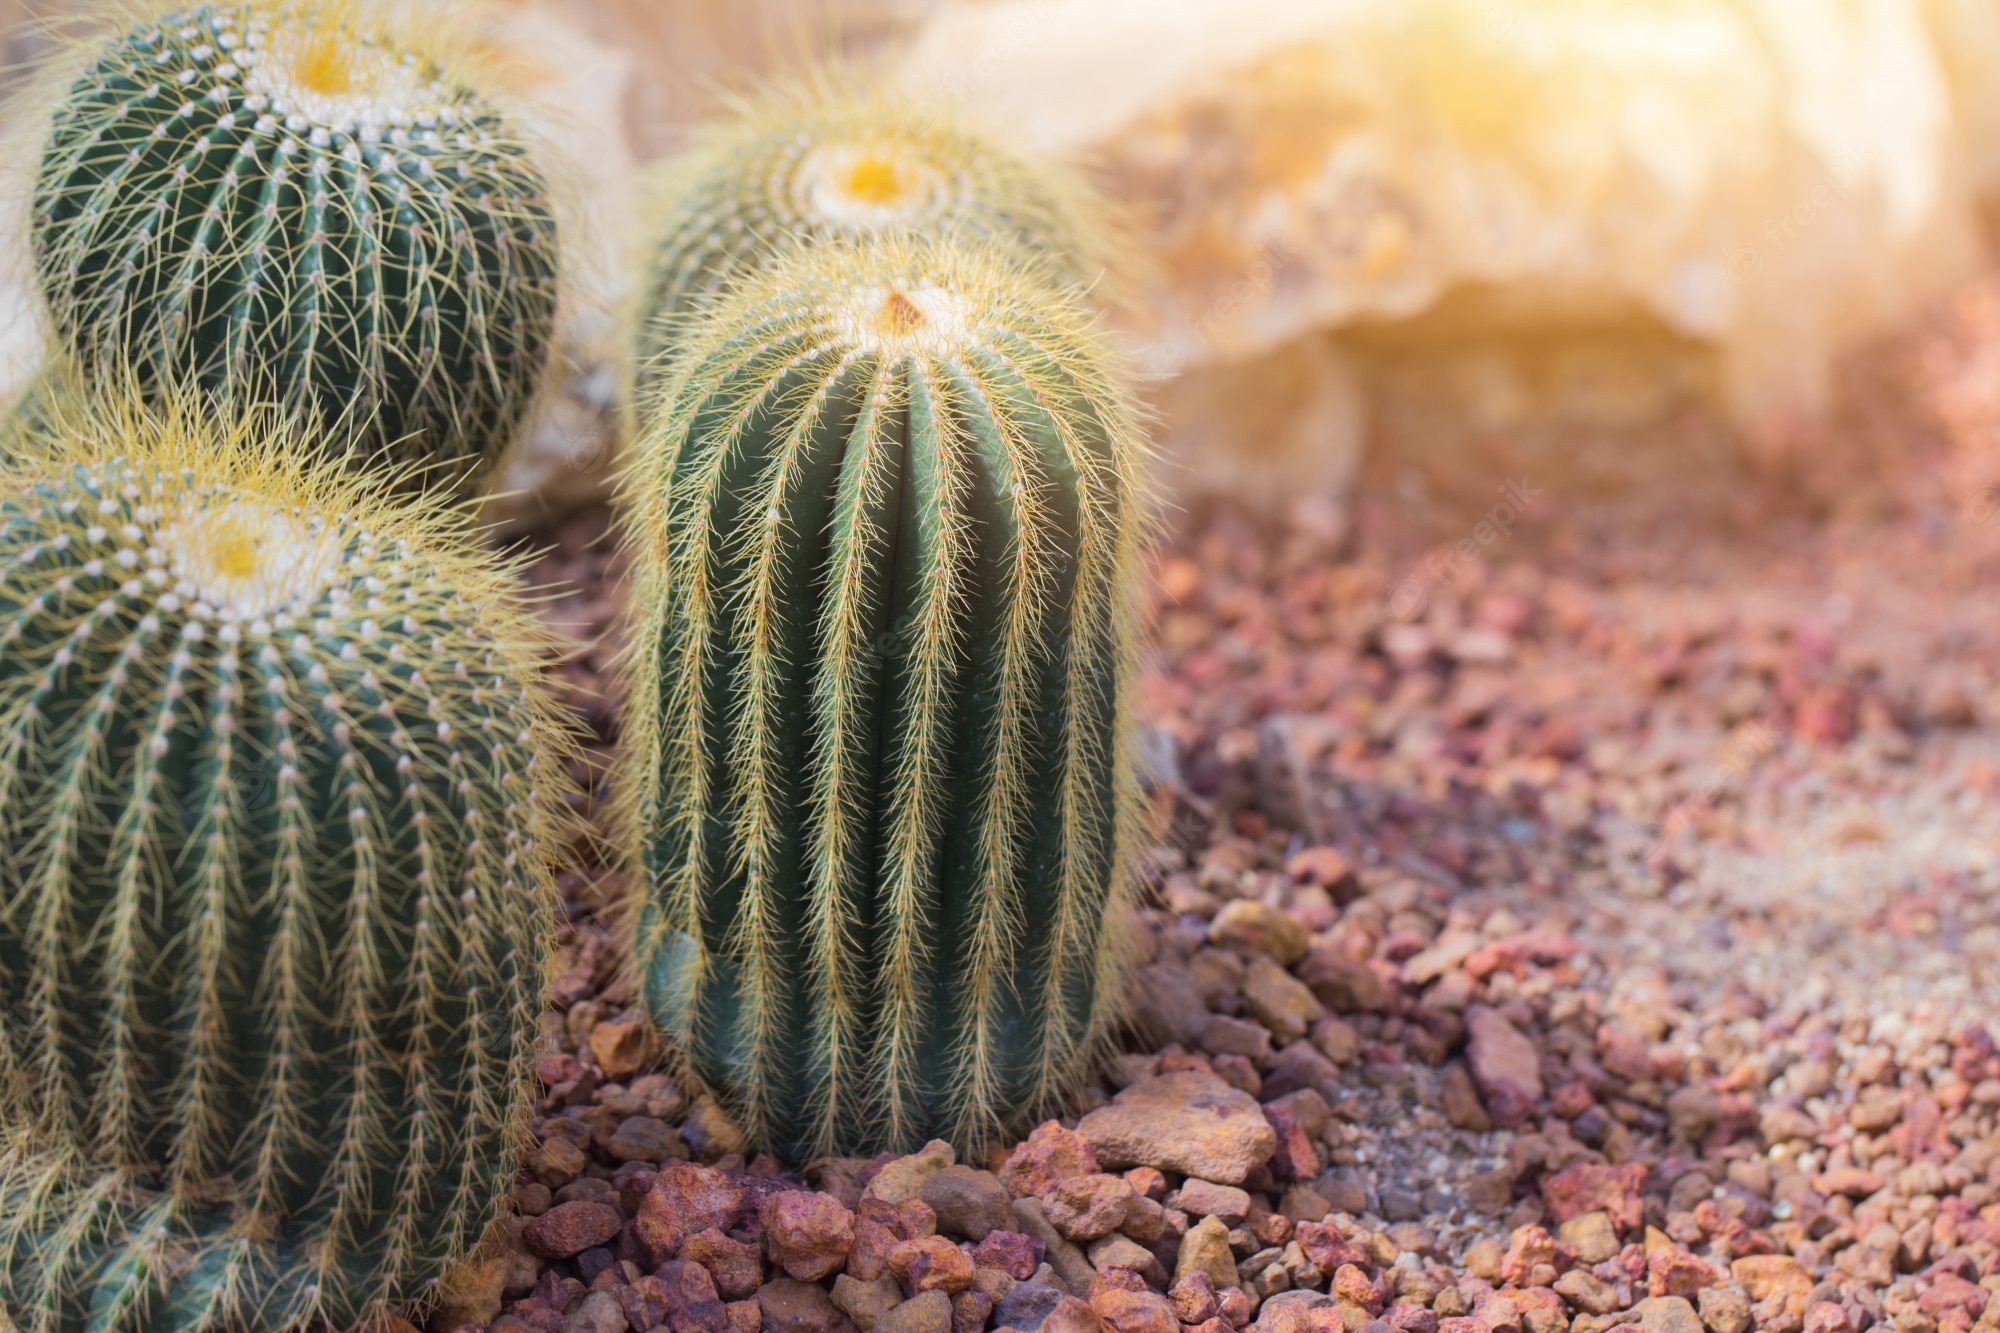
[(299, 201), (885, 525), (278, 789), (823, 159)]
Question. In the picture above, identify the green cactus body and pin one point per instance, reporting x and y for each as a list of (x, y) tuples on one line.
[(284, 204), (885, 525), (277, 792), (822, 160)]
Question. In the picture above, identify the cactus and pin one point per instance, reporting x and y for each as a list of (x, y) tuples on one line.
[(290, 201), (884, 527), (278, 792), (821, 158)]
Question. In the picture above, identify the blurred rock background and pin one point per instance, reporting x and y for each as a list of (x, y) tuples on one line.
[(1635, 238)]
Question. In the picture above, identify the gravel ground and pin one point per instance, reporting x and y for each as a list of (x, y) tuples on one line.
[(1595, 932)]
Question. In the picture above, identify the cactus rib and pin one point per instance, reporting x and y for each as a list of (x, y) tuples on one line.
[(297, 201), (279, 791), (885, 519)]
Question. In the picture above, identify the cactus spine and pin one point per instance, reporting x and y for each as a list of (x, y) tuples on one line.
[(885, 524), (824, 159), (277, 792), (287, 202)]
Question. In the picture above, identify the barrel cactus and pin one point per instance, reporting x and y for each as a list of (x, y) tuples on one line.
[(278, 793), (295, 201), (824, 158), (885, 524)]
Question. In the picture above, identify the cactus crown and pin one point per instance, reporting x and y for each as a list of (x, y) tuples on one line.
[(278, 792), (885, 524), (307, 200), (823, 157)]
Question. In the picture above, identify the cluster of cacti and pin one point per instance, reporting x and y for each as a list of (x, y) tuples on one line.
[(296, 202), (278, 787), (826, 158), (885, 525)]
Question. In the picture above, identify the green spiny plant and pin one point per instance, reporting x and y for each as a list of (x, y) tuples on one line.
[(825, 158), (304, 202), (885, 523), (279, 788)]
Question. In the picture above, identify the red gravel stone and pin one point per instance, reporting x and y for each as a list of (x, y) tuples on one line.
[(736, 1266), (693, 1306), (931, 1264), (571, 1228), (685, 1199), (1049, 1155), (1589, 1188), (807, 1235), (1015, 1253)]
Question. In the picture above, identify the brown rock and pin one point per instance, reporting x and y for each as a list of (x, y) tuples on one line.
[(1071, 1315), (807, 1235), (571, 1228), (903, 1179), (1253, 927), (1279, 1000), (711, 1132), (1294, 1157), (1135, 1312), (1337, 1040), (1058, 1251), (641, 1138), (790, 1306), (1342, 982), (1592, 1237), (471, 1292), (1725, 1309), (1675, 1272), (1589, 1188), (1167, 1004), (1460, 1100), (927, 1312), (1223, 1035), (1193, 1298), (866, 1302), (736, 1266), (1506, 1066), (931, 1264), (1586, 1292), (879, 1226), (1205, 1250), (970, 1310), (1027, 1305), (968, 1203), (623, 1046), (1185, 1122), (1014, 1253), (1204, 1198), (1667, 1314), (558, 1161), (1048, 1155), (684, 1199), (693, 1305), (1121, 1251), (1298, 1070), (744, 1316), (644, 1302), (598, 1312), (1086, 1207)]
